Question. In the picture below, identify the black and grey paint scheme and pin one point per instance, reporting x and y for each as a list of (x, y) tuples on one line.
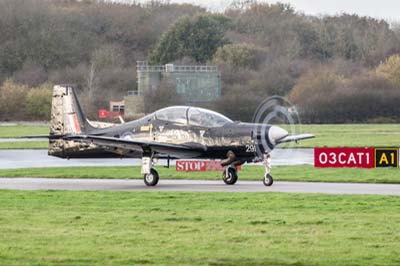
[(177, 132)]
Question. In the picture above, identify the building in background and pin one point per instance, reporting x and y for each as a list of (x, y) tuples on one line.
[(194, 83), (116, 109)]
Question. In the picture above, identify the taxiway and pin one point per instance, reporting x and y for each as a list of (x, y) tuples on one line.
[(196, 185)]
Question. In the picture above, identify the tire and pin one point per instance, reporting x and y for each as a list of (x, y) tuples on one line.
[(268, 180), (151, 179), (230, 176)]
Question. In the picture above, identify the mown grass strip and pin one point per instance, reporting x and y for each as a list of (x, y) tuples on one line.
[(24, 145), (352, 135), (139, 228), (19, 131)]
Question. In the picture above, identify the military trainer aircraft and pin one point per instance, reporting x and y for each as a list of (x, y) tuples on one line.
[(175, 132)]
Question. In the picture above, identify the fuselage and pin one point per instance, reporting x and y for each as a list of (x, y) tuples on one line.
[(209, 134), (217, 137)]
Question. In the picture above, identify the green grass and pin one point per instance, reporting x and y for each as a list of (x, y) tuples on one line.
[(280, 173), (24, 145), (18, 131), (157, 228), (352, 135)]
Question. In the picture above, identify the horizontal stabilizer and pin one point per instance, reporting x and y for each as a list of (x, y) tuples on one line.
[(43, 137), (295, 138)]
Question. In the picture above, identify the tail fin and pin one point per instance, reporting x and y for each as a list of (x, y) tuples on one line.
[(67, 116)]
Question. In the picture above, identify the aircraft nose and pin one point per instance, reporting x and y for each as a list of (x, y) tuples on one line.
[(276, 133)]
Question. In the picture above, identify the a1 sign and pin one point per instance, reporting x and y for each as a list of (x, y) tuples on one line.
[(344, 157), (386, 157)]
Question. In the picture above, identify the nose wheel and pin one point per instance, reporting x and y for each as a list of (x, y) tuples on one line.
[(151, 179), (268, 180), (150, 175), (229, 175)]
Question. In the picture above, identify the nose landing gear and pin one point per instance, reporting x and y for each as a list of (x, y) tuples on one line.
[(150, 175), (151, 179), (267, 180)]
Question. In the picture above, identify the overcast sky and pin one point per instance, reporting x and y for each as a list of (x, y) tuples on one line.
[(386, 9)]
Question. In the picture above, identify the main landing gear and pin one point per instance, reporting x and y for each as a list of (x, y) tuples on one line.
[(229, 175), (150, 175)]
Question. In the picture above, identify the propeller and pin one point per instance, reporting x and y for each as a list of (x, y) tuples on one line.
[(274, 119)]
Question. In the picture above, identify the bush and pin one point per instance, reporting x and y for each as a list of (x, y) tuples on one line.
[(323, 97), (12, 101), (239, 104), (165, 95), (20, 102), (240, 55), (390, 69), (38, 102)]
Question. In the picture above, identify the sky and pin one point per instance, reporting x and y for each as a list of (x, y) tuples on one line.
[(384, 9)]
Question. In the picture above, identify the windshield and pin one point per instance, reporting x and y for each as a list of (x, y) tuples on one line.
[(206, 118), (175, 114)]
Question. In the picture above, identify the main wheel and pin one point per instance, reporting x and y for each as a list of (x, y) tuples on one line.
[(268, 180), (230, 176), (152, 178)]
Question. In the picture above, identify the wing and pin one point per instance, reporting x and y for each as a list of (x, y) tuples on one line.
[(295, 138), (176, 150)]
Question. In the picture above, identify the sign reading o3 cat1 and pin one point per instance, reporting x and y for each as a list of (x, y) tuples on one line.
[(356, 157)]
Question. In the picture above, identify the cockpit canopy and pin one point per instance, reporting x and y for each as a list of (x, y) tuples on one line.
[(193, 116)]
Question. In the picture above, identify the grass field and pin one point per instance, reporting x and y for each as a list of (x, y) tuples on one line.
[(125, 228), (18, 131), (353, 135), (280, 173), (24, 145)]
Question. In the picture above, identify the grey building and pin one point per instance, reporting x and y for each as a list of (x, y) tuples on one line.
[(194, 83)]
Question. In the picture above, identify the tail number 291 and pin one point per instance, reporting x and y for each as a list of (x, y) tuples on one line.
[(251, 148)]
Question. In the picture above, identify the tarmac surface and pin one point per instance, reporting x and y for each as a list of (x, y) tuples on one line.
[(196, 185), (10, 159)]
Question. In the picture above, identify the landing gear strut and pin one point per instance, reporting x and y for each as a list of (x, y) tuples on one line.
[(267, 180), (150, 175)]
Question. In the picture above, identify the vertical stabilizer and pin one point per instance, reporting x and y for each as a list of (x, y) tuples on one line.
[(67, 117)]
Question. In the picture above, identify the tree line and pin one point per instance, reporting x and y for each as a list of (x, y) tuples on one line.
[(342, 68)]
